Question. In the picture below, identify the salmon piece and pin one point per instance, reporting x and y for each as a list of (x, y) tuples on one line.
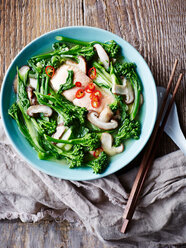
[(60, 78)]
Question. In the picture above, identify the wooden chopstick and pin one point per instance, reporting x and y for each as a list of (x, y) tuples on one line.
[(140, 178), (159, 135), (137, 182)]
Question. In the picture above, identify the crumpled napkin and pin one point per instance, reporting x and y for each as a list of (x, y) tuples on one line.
[(160, 217)]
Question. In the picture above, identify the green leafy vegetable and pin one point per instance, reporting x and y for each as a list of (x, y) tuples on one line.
[(22, 93), (68, 84), (99, 164), (129, 129), (128, 70), (47, 124), (90, 140), (111, 47)]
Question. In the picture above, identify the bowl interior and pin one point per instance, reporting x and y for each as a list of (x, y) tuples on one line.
[(147, 113)]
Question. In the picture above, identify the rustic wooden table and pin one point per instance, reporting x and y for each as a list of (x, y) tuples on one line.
[(155, 28)]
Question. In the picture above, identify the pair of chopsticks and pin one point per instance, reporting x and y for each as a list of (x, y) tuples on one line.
[(151, 149)]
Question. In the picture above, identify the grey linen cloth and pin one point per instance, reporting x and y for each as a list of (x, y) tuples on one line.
[(98, 205)]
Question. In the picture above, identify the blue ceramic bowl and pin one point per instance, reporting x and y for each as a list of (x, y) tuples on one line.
[(147, 113)]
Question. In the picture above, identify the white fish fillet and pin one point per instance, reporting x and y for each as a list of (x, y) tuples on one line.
[(60, 78)]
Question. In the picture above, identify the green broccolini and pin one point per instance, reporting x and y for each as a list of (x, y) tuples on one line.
[(22, 93), (128, 70), (90, 140), (33, 132), (51, 102), (63, 107), (129, 129), (119, 104), (47, 124), (111, 47), (99, 164), (103, 78)]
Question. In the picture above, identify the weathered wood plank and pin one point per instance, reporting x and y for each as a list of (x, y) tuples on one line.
[(45, 234), (155, 28)]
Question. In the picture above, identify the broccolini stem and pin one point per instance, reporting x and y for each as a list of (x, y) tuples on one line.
[(74, 41), (46, 86), (38, 83), (135, 106), (73, 141)]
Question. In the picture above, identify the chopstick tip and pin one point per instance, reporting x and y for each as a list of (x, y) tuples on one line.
[(124, 226)]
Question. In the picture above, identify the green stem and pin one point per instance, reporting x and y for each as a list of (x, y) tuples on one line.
[(72, 142), (135, 106)]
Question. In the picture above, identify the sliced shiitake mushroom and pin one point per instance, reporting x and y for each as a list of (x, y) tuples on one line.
[(31, 96), (93, 117), (103, 56), (106, 114), (36, 109), (106, 144), (125, 89)]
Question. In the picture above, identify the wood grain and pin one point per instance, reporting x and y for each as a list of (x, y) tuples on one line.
[(45, 234), (155, 28)]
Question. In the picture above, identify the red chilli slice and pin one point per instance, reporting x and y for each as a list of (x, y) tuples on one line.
[(80, 93), (92, 73), (95, 104), (95, 98), (90, 88), (97, 93), (78, 84), (97, 152), (50, 71)]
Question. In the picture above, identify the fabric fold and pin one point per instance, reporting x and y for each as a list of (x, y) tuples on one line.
[(98, 205)]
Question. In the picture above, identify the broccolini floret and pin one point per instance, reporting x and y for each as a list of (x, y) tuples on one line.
[(47, 124), (111, 47), (119, 104), (129, 129), (99, 164), (63, 107)]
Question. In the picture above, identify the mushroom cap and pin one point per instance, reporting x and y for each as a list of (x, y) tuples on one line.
[(93, 117), (106, 144), (36, 109), (103, 56), (125, 89)]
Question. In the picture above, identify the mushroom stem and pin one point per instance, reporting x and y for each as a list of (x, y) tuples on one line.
[(106, 114), (106, 144)]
